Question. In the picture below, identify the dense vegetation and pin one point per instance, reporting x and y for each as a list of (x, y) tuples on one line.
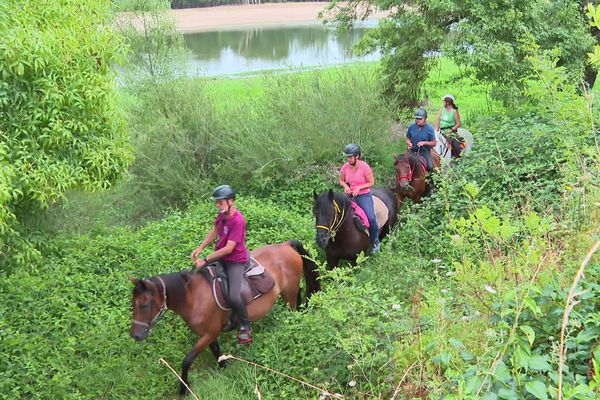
[(59, 125), (492, 41), (465, 300)]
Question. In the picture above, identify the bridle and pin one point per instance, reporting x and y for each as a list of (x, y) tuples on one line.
[(339, 215), (408, 176), (149, 326)]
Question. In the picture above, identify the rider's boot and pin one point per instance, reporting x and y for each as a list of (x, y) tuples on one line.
[(245, 333), (232, 324)]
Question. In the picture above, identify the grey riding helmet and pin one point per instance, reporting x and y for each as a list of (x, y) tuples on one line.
[(352, 150), (223, 192), (421, 113)]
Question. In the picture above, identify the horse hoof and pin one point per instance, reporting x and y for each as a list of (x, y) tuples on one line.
[(223, 364), (183, 392)]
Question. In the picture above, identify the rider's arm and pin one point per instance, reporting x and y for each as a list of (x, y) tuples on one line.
[(408, 141), (437, 120), (457, 119), (370, 181), (342, 181), (207, 240), (222, 252)]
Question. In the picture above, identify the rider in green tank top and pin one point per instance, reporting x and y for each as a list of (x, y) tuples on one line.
[(448, 122)]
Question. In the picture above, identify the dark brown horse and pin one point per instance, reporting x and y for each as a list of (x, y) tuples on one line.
[(410, 177), (190, 296), (338, 233)]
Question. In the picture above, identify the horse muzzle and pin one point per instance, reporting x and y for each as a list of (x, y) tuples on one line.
[(322, 239), (140, 331)]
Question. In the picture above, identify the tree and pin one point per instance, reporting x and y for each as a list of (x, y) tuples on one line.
[(491, 39), (59, 123)]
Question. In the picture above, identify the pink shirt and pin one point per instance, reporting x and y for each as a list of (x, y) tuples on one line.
[(232, 228), (357, 177)]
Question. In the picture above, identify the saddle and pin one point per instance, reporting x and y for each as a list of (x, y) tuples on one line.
[(360, 217), (257, 282)]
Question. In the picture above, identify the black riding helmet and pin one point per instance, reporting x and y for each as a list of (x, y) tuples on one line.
[(352, 150), (223, 192)]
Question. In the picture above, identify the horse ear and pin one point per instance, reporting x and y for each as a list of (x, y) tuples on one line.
[(315, 194), (142, 283), (133, 280), (330, 195), (395, 156)]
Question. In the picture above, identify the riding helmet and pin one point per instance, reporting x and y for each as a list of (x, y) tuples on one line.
[(223, 192), (421, 113), (352, 150)]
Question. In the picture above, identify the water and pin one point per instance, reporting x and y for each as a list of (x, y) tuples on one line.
[(249, 50)]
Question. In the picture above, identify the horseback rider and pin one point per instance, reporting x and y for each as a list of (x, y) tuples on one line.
[(230, 231), (448, 122), (420, 137), (356, 178)]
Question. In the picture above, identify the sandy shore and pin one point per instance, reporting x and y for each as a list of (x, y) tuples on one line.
[(224, 17)]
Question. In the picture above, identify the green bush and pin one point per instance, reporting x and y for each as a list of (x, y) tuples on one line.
[(59, 124)]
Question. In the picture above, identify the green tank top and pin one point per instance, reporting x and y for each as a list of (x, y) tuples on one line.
[(447, 119)]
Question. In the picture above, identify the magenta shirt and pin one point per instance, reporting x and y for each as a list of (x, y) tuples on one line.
[(357, 177), (232, 228)]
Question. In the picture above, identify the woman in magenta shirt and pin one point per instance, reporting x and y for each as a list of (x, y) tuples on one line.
[(357, 178), (230, 232)]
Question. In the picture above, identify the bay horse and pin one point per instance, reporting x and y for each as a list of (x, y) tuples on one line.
[(190, 295), (338, 233), (411, 179)]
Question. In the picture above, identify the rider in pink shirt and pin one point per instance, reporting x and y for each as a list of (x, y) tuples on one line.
[(357, 179)]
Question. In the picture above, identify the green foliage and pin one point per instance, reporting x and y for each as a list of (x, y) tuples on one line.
[(306, 119), (59, 125), (491, 40), (594, 16)]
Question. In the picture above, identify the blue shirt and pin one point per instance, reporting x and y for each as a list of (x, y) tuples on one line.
[(418, 134)]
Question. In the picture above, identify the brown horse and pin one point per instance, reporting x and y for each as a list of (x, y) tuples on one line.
[(190, 296), (411, 177)]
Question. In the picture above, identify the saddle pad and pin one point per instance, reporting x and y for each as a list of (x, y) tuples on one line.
[(381, 211), (360, 213)]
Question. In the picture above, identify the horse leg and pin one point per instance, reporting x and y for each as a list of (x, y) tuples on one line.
[(204, 341), (332, 260), (216, 350)]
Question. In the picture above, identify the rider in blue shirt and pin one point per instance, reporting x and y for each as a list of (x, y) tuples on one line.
[(420, 137)]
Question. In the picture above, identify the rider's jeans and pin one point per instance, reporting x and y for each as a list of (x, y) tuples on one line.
[(365, 201)]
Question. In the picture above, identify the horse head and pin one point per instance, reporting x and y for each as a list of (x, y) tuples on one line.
[(404, 171), (328, 211), (148, 303)]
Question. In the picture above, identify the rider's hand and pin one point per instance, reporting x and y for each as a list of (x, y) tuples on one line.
[(195, 253), (354, 193), (420, 144), (200, 262), (347, 190)]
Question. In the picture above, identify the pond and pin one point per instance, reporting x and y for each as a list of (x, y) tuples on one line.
[(290, 46)]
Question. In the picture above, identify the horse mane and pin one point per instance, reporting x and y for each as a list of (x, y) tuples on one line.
[(413, 159), (175, 282), (409, 156)]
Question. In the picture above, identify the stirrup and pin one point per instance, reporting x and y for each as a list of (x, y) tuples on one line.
[(245, 335)]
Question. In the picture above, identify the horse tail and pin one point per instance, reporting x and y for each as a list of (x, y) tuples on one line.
[(311, 273)]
